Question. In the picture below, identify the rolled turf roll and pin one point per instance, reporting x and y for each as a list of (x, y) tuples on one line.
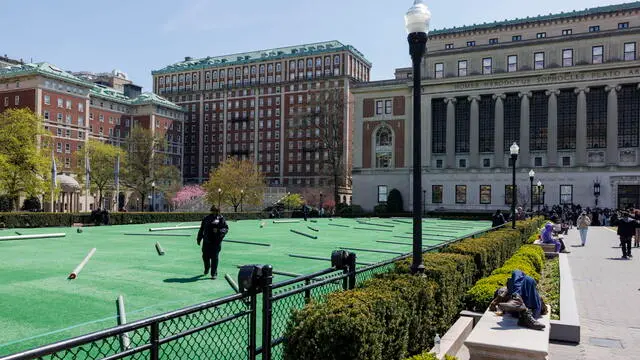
[(35, 236), (159, 249), (303, 234), (76, 271)]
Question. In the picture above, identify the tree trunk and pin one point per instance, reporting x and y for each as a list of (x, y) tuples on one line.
[(235, 207), (335, 189)]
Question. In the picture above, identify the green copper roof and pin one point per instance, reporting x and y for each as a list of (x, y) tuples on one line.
[(150, 98), (261, 55), (562, 15), (42, 68), (108, 93)]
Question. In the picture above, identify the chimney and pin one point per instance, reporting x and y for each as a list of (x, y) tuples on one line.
[(188, 58)]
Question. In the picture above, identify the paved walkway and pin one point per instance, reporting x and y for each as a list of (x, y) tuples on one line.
[(608, 298)]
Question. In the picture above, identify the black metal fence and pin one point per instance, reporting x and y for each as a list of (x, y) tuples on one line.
[(225, 328)]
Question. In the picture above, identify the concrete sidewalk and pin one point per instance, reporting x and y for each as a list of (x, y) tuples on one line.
[(608, 297)]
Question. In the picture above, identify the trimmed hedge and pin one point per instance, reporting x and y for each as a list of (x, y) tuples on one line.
[(430, 356), (30, 219), (528, 259)]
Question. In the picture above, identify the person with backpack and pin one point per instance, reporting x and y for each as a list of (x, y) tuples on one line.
[(212, 231)]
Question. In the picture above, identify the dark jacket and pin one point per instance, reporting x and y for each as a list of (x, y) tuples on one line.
[(627, 227), (498, 219), (212, 229)]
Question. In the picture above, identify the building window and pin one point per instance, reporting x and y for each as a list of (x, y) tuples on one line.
[(493, 41), (566, 161), (487, 66), (471, 43), (512, 63), (516, 38), (16, 100), (47, 100), (538, 61), (485, 194), (623, 25), (384, 148), (46, 115), (567, 32), (461, 194), (597, 118), (382, 193), (508, 194), (462, 128), (436, 194), (628, 110), (511, 120), (388, 107), (537, 161), (439, 126), (567, 104), (462, 68), (448, 46), (566, 194), (539, 110), (629, 51), (486, 123), (60, 102), (379, 106), (594, 28), (541, 35), (439, 70), (486, 163), (462, 163), (596, 54), (439, 164), (567, 57)]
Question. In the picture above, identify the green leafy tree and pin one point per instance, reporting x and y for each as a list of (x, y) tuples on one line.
[(240, 182), (24, 163), (293, 201), (394, 202), (102, 161), (145, 164)]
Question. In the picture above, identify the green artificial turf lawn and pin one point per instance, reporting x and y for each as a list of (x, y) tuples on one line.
[(40, 305)]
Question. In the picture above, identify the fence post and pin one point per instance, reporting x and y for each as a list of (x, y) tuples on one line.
[(155, 341), (307, 293), (253, 299), (267, 278), (351, 261)]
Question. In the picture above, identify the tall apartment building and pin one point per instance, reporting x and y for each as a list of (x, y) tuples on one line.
[(247, 104), (564, 86), (76, 110)]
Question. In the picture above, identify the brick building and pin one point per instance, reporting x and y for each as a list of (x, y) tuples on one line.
[(75, 109), (249, 105), (565, 87)]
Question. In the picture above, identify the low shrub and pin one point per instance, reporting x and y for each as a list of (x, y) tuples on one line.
[(380, 209), (394, 201), (350, 211), (518, 262), (535, 254), (430, 356)]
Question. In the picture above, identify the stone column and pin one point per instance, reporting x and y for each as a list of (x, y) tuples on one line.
[(451, 133), (552, 128), (499, 131), (474, 133), (612, 124), (525, 149), (581, 127)]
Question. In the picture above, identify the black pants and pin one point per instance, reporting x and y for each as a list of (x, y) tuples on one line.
[(210, 252), (625, 243)]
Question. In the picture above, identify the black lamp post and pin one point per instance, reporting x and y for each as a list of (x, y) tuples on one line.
[(531, 175), (320, 207), (153, 196), (596, 190), (424, 202), (539, 187), (219, 196), (514, 149), (241, 198), (417, 24)]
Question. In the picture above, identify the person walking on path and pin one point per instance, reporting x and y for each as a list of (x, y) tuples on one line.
[(583, 226), (212, 231), (626, 229)]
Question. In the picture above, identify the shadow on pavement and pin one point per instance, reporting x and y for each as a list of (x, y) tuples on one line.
[(185, 280)]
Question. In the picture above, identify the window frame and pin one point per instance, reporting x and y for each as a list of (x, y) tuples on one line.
[(564, 195), (564, 58), (466, 67), (437, 194), (485, 191), (509, 64), (633, 53), (594, 56), (536, 62), (381, 193), (541, 35), (438, 74), (461, 194), (489, 67)]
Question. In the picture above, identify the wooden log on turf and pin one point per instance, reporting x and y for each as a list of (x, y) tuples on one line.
[(147, 234), (175, 228), (338, 225), (286, 221), (159, 249), (232, 283), (76, 271), (303, 234), (246, 242), (312, 229), (373, 224), (313, 221), (35, 236), (370, 229), (125, 342)]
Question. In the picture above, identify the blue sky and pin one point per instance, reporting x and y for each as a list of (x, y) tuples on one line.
[(137, 36)]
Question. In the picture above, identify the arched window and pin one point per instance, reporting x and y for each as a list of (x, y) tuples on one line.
[(384, 147)]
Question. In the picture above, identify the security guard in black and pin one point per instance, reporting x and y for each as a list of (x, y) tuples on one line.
[(212, 231)]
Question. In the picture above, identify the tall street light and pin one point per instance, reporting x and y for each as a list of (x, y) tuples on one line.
[(531, 175), (514, 149), (219, 196), (241, 198), (417, 24), (539, 184)]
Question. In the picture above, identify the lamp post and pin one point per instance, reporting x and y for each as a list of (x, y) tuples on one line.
[(417, 25), (424, 202), (219, 196), (596, 190), (153, 196), (539, 194), (514, 150), (531, 175), (321, 203), (241, 198)]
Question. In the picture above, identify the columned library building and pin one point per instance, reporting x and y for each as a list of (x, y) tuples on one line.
[(565, 87)]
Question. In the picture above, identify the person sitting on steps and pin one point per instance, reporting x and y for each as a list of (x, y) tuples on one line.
[(547, 237), (521, 299)]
